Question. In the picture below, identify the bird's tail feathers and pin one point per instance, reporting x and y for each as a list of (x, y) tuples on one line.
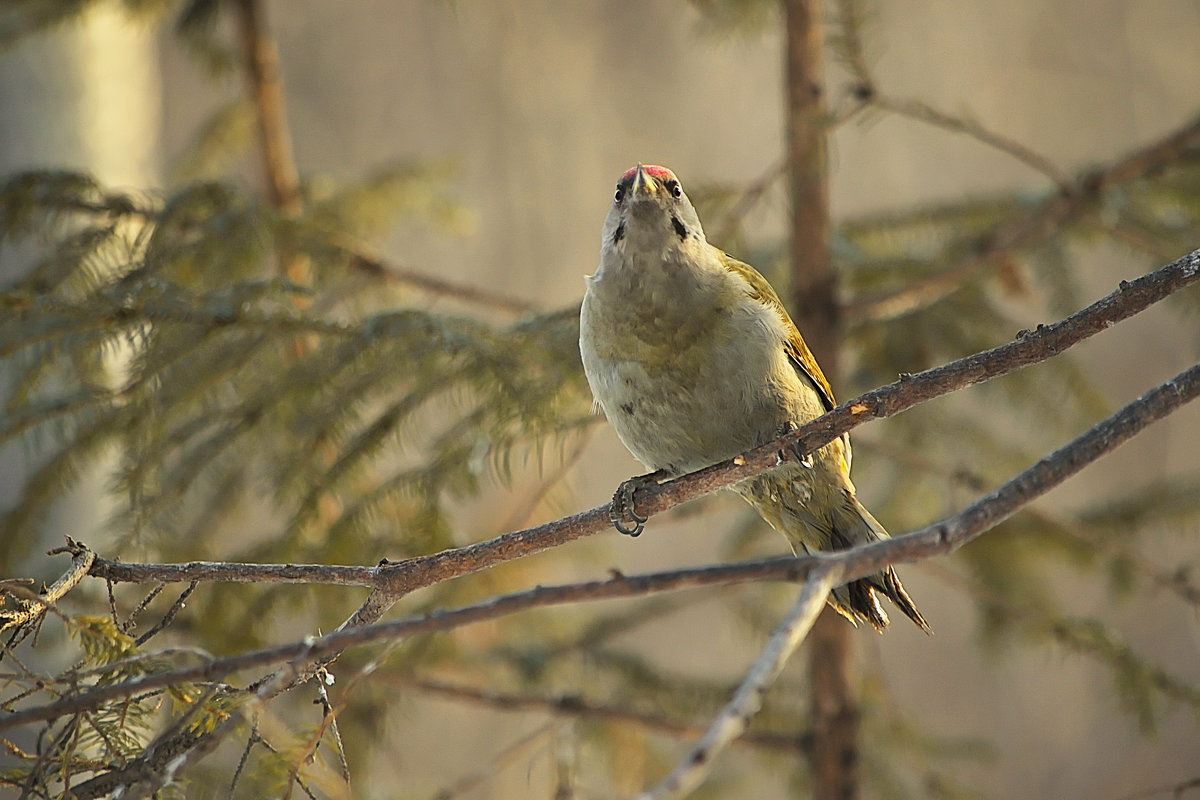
[(858, 600)]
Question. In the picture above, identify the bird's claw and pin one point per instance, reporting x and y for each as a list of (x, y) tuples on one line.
[(805, 459), (621, 512), (635, 530)]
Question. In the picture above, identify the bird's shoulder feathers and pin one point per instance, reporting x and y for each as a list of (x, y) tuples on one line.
[(798, 352)]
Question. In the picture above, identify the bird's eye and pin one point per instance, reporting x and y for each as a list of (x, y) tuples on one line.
[(620, 195), (675, 188)]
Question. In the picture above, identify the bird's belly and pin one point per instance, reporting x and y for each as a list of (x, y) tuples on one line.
[(689, 413)]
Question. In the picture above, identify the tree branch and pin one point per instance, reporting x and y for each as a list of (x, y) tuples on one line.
[(236, 572), (394, 580), (370, 264), (360, 256), (1028, 229), (733, 719), (937, 538), (81, 561)]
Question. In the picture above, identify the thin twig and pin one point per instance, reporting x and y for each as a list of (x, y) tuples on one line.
[(733, 719), (329, 717), (868, 93), (251, 740), (168, 617), (1028, 229), (112, 607), (300, 781), (131, 620), (81, 563), (572, 705)]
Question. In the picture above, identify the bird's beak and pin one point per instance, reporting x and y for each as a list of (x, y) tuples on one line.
[(644, 186)]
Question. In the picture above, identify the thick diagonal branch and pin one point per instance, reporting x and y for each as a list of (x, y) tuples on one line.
[(397, 579)]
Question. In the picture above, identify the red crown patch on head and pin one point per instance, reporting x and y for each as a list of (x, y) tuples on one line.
[(653, 170)]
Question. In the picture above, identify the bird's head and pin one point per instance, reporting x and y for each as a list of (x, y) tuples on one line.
[(650, 212)]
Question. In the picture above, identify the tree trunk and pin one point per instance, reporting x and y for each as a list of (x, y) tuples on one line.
[(83, 96), (833, 757)]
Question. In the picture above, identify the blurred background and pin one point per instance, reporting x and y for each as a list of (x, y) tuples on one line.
[(478, 143)]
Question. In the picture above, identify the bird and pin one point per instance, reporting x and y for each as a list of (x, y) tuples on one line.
[(693, 359)]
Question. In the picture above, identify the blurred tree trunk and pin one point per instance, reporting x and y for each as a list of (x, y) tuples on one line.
[(84, 96), (833, 757)]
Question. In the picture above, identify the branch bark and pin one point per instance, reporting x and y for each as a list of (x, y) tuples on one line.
[(31, 608)]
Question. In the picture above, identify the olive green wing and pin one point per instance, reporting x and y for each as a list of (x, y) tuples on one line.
[(799, 354)]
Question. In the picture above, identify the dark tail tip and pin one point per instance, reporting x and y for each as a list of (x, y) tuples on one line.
[(859, 601), (895, 591)]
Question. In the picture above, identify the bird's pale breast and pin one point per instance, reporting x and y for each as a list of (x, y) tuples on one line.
[(687, 372)]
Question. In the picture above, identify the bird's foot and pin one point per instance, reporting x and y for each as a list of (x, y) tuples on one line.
[(805, 459), (621, 512)]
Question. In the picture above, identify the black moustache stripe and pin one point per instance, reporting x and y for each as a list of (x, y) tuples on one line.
[(680, 228)]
